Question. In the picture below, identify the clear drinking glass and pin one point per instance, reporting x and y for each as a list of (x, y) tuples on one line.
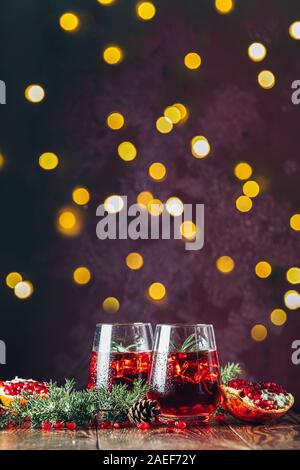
[(185, 372), (121, 353)]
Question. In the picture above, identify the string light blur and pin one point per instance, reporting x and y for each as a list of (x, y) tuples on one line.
[(69, 222), (263, 269), (183, 111), (188, 230), (174, 206), (251, 189), (134, 261), (106, 2), (145, 10), (111, 305), (164, 125), (113, 204), (2, 160), (82, 275), (294, 30), (69, 22), (115, 121), (192, 60), (12, 279), (173, 113), (259, 332), (278, 317), (200, 146), (23, 290), (243, 171), (266, 79), (113, 55), (293, 275), (295, 222), (35, 93), (257, 51), (127, 151), (157, 171), (243, 204), (155, 207), (81, 196), (48, 161), (144, 198), (225, 264), (292, 299), (157, 291), (224, 6)]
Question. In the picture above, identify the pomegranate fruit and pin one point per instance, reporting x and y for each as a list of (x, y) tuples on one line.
[(255, 402), (12, 389)]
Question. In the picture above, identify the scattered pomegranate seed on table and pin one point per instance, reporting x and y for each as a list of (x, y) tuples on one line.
[(144, 426), (46, 426), (180, 424), (71, 426)]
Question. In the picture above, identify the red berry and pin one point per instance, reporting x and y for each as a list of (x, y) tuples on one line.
[(71, 426), (180, 424), (105, 425), (46, 426), (143, 426), (10, 426), (59, 425), (117, 425)]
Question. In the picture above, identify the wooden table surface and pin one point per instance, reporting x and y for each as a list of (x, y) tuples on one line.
[(283, 434)]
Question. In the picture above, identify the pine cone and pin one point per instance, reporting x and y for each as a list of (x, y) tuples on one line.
[(143, 411)]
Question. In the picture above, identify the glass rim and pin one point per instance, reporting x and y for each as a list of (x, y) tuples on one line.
[(184, 325), (124, 324)]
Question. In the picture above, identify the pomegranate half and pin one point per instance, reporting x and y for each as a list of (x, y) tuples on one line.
[(255, 402), (13, 389)]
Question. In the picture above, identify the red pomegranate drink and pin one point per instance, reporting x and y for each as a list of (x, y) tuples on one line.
[(116, 368), (185, 380)]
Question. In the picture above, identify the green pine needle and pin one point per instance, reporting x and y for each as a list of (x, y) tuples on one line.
[(230, 372)]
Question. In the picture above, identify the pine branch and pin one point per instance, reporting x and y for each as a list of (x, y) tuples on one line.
[(230, 371)]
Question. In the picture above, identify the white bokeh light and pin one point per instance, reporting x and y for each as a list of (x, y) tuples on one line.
[(174, 206), (257, 51), (113, 204)]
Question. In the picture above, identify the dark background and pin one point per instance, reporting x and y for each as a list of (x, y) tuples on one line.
[(50, 334)]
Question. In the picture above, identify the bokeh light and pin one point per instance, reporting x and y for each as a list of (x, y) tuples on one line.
[(106, 2), (243, 171), (292, 299), (188, 230), (157, 291), (225, 264), (243, 204), (192, 60), (2, 160), (278, 317), (174, 206), (68, 222), (293, 275), (224, 6), (12, 279), (295, 222), (294, 30), (164, 125), (127, 151), (183, 111), (200, 146), (113, 204), (263, 269), (82, 275), (23, 290), (134, 261), (111, 305), (173, 113), (145, 10), (69, 22), (34, 93), (259, 332), (251, 188), (257, 51), (157, 171), (155, 207), (144, 198), (48, 161), (266, 79), (115, 121), (113, 55), (81, 196)]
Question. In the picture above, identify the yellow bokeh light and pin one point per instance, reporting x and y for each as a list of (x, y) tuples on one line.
[(127, 151), (106, 2), (157, 291), (164, 125), (174, 206), (2, 160), (225, 264), (266, 79), (293, 275), (173, 113), (292, 299), (295, 222), (81, 196), (34, 93), (111, 305), (115, 121), (12, 279), (113, 204), (82, 275), (188, 230), (192, 60), (243, 171), (113, 55), (23, 290), (259, 332), (294, 30), (257, 51), (243, 204), (263, 269), (144, 198), (251, 188), (157, 171), (68, 222), (134, 261), (69, 22), (145, 10), (278, 317), (48, 161), (200, 146), (183, 111), (155, 207)]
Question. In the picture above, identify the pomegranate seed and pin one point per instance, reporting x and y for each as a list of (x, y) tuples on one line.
[(71, 426), (144, 426), (59, 425), (46, 426), (180, 424), (117, 425)]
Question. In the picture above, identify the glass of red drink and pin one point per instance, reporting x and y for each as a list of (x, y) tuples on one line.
[(185, 373), (121, 353)]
